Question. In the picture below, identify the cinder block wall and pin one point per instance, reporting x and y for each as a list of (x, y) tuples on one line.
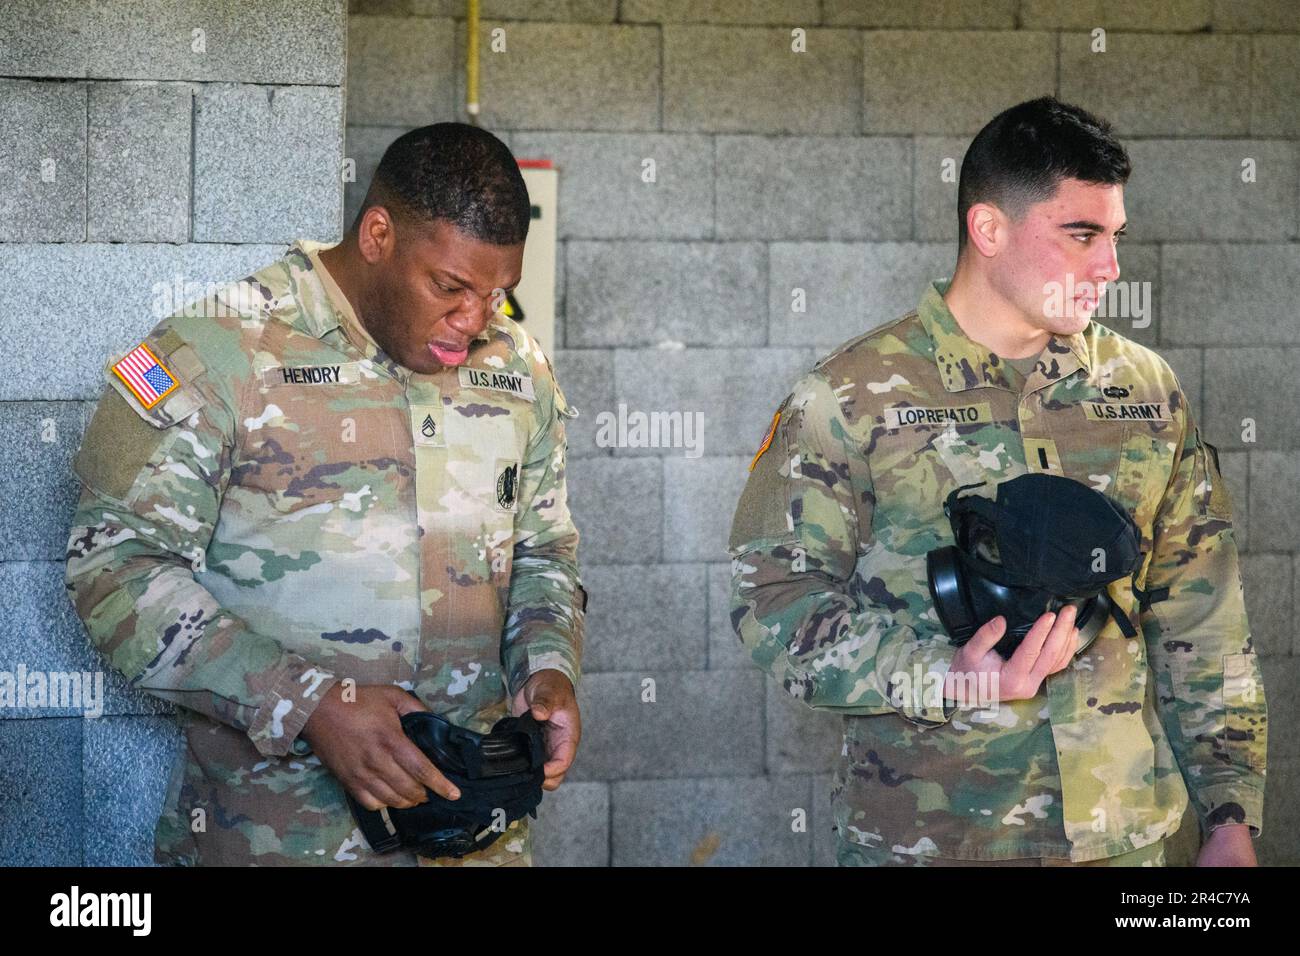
[(821, 171), (774, 172), (142, 145)]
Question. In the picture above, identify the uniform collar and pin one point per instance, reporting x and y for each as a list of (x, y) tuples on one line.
[(317, 309), (964, 363)]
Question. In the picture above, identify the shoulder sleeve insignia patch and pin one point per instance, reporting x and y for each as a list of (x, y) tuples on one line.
[(148, 379), (767, 439)]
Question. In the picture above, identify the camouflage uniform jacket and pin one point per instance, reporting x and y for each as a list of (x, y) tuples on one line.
[(300, 509), (829, 595)]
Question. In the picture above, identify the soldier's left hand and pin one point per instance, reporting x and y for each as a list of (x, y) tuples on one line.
[(1228, 846), (548, 694)]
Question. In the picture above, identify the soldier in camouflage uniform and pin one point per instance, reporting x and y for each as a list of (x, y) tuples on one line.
[(286, 520), (1095, 759)]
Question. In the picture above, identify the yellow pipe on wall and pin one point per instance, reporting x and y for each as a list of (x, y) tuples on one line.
[(471, 60)]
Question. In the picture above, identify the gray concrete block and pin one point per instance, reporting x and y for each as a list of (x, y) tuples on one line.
[(823, 821), (1186, 364), (47, 291), (935, 172), (1153, 16), (1233, 294), (1249, 16), (1274, 501), (400, 8), (1277, 844), (725, 649), (604, 192), (1187, 190), (717, 822), (401, 71), (729, 394), (1280, 677), (1132, 304), (40, 777), (700, 723), (847, 288), (586, 378), (270, 41), (700, 498), (569, 11), (138, 163), (1274, 86), (43, 194), (36, 479), (1295, 589), (39, 38), (617, 506), (1266, 582), (800, 739), (750, 80), (572, 827), (267, 163), (814, 187), (1251, 383), (794, 12), (647, 293), (921, 14), (121, 808), (646, 617), (41, 651), (562, 76), (45, 635), (910, 76), (364, 146), (1160, 85)]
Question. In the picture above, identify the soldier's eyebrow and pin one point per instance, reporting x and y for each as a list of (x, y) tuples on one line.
[(1091, 226), (443, 274)]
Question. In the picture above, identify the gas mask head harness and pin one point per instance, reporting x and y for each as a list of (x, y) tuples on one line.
[(499, 775), (1046, 541)]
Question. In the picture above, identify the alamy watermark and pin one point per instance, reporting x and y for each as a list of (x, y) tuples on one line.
[(651, 430), (61, 690)]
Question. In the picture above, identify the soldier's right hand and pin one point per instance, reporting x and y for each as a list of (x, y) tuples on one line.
[(1047, 648), (362, 743)]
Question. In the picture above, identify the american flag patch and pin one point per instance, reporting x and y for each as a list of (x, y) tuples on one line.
[(146, 377)]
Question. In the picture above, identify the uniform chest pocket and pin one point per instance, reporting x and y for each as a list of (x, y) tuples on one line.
[(319, 445), (486, 444), (1145, 468)]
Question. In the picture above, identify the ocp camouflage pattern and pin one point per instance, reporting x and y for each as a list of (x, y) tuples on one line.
[(829, 595), (303, 510)]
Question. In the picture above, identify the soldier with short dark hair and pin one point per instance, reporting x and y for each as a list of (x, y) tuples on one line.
[(1094, 741), (331, 485)]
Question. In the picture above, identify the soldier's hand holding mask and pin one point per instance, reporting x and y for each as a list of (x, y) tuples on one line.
[(362, 743), (1046, 649)]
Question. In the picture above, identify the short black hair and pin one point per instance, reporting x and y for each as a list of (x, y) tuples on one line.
[(1024, 152), (457, 173)]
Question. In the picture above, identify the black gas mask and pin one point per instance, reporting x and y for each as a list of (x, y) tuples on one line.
[(1045, 542), (499, 776)]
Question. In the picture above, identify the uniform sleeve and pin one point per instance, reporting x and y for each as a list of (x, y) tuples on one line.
[(547, 604), (794, 545), (152, 482), (1210, 693)]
